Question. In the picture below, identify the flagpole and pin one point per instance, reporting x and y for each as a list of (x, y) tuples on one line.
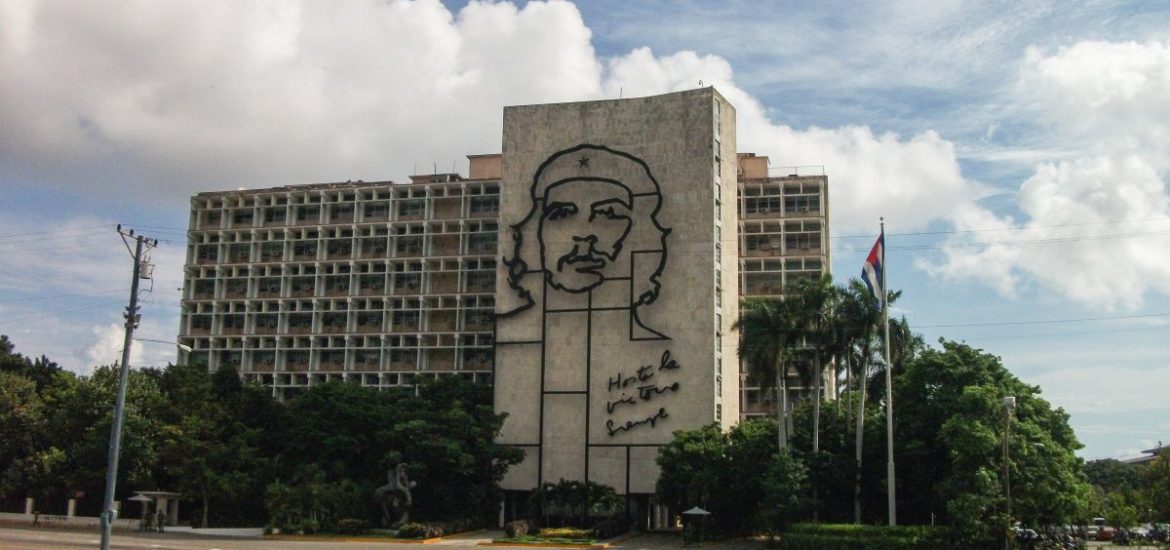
[(890, 480)]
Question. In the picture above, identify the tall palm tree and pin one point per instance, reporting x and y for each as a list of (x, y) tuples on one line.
[(859, 320), (766, 335), (811, 303)]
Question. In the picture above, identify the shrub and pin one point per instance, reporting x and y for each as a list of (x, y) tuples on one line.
[(352, 526), (517, 528), (566, 533), (865, 537), (415, 530), (456, 526)]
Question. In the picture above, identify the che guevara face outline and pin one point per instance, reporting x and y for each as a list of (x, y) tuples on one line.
[(582, 229)]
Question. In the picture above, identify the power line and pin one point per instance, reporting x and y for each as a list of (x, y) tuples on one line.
[(1064, 334), (983, 230), (73, 230), (50, 313), (1031, 241), (1049, 321), (59, 296)]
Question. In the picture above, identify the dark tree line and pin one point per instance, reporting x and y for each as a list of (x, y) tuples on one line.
[(238, 456)]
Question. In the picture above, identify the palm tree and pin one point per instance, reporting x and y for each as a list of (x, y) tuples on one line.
[(811, 303), (859, 320), (766, 335)]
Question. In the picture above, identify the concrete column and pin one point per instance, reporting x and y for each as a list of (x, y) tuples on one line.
[(29, 504), (71, 508)]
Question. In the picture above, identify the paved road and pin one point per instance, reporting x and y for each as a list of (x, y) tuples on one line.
[(28, 538)]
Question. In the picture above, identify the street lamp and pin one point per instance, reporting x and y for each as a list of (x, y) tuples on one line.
[(1009, 404), (182, 347), (109, 515)]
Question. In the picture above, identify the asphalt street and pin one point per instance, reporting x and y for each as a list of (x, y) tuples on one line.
[(27, 538)]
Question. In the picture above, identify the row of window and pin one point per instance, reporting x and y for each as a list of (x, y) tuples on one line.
[(343, 213), (789, 205)]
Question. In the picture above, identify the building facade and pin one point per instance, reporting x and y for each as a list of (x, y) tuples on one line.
[(378, 283), (591, 272), (783, 219), (611, 307)]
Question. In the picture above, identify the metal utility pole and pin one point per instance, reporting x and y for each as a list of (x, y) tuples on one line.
[(891, 482), (109, 514), (1009, 404)]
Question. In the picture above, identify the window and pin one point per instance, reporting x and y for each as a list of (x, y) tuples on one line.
[(406, 319), (410, 208), (481, 243), (339, 247), (204, 286), (762, 205), (274, 215), (377, 210), (271, 251), (407, 281), (305, 249), (408, 245), (308, 214), (340, 212), (802, 203), (480, 280), (485, 205)]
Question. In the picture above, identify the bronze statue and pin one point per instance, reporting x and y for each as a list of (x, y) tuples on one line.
[(394, 497)]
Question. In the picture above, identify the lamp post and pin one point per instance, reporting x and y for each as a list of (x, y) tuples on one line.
[(1009, 404)]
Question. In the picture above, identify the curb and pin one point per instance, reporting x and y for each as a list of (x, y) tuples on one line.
[(595, 546), (327, 538)]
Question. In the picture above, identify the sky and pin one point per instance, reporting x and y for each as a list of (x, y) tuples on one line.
[(1018, 151)]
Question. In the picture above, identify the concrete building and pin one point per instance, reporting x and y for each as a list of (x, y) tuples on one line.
[(611, 307), (375, 282), (784, 236), (592, 272)]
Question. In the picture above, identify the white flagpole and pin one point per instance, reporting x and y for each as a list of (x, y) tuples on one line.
[(890, 481)]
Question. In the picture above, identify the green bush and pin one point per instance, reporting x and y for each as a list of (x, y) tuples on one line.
[(415, 530), (352, 526), (867, 537), (566, 533), (517, 528)]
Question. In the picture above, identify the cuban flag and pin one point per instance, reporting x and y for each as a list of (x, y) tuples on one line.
[(873, 272)]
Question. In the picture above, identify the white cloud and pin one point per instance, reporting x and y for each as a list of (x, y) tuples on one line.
[(1096, 227), (1106, 389), (1109, 96), (910, 181), (107, 349), (58, 284)]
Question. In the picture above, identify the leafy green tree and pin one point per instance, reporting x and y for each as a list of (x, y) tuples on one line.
[(1157, 478), (783, 485), (41, 371), (21, 419), (209, 449), (767, 335), (951, 425), (1113, 475), (724, 474), (692, 467)]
